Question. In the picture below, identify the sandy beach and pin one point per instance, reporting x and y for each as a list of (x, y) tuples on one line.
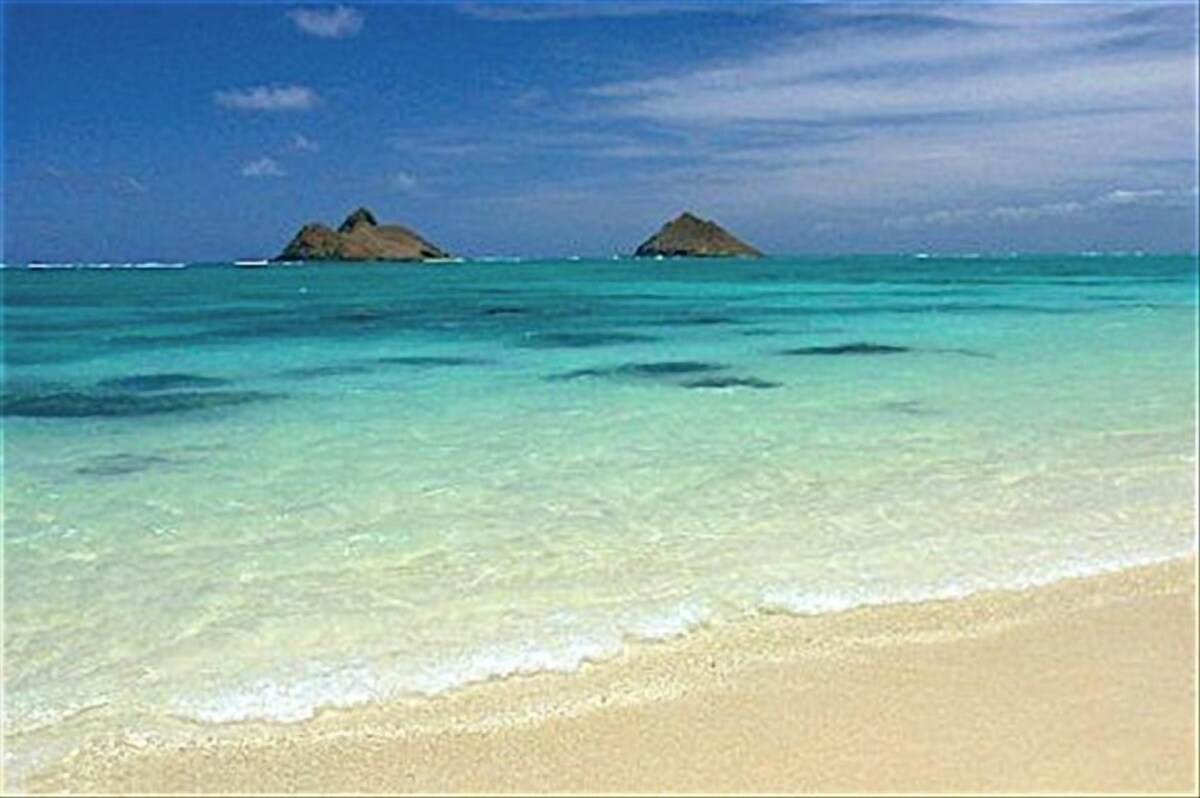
[(1086, 685), (571, 397)]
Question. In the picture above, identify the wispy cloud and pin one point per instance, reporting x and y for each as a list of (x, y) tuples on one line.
[(447, 144), (1032, 60), (528, 98), (303, 143), (129, 186), (95, 182), (1116, 198), (341, 22), (908, 104), (402, 181), (590, 9), (263, 167), (547, 138), (268, 98)]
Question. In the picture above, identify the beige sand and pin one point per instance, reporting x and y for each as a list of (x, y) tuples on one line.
[(1084, 686)]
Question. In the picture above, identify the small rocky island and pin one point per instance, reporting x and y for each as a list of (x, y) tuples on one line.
[(360, 238), (689, 236)]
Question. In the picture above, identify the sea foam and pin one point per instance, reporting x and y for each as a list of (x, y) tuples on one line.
[(391, 533), (302, 691)]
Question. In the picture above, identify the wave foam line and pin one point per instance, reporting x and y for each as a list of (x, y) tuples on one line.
[(301, 694)]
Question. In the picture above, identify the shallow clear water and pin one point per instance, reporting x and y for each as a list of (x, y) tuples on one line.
[(246, 494)]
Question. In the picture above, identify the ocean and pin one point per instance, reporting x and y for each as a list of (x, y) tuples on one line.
[(244, 495)]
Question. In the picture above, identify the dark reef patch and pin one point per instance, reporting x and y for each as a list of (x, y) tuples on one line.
[(32, 355), (431, 361), (908, 407), (732, 382), (583, 340), (920, 309), (116, 465), (504, 311), (360, 315), (668, 368), (139, 340), (160, 382), (699, 321), (966, 353), (856, 348), (640, 297), (656, 370), (316, 372), (47, 402)]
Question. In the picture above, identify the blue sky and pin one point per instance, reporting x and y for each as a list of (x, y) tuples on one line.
[(184, 131)]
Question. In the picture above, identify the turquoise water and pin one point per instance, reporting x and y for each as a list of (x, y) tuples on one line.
[(243, 495)]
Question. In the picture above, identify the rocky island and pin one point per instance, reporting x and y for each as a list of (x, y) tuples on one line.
[(360, 238), (689, 236)]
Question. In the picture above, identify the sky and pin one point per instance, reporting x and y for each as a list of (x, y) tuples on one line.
[(177, 131)]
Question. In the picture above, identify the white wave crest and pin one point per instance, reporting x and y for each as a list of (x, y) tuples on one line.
[(524, 658), (289, 699), (299, 693)]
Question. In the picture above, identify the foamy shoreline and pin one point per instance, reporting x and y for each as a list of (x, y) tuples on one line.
[(725, 709)]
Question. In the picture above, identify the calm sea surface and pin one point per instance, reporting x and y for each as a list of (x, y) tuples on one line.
[(236, 494)]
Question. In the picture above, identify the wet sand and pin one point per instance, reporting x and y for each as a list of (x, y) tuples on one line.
[(1086, 685)]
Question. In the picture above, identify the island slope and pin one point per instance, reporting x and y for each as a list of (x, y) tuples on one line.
[(690, 236), (359, 238)]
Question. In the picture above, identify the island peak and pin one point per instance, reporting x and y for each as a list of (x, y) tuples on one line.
[(688, 235), (362, 215), (359, 238)]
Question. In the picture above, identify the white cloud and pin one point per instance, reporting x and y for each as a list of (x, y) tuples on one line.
[(928, 103), (529, 98), (1042, 59), (1117, 198), (269, 98), (96, 182), (590, 9), (335, 23), (129, 186), (1122, 196), (304, 143), (402, 181), (445, 144), (263, 167)]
